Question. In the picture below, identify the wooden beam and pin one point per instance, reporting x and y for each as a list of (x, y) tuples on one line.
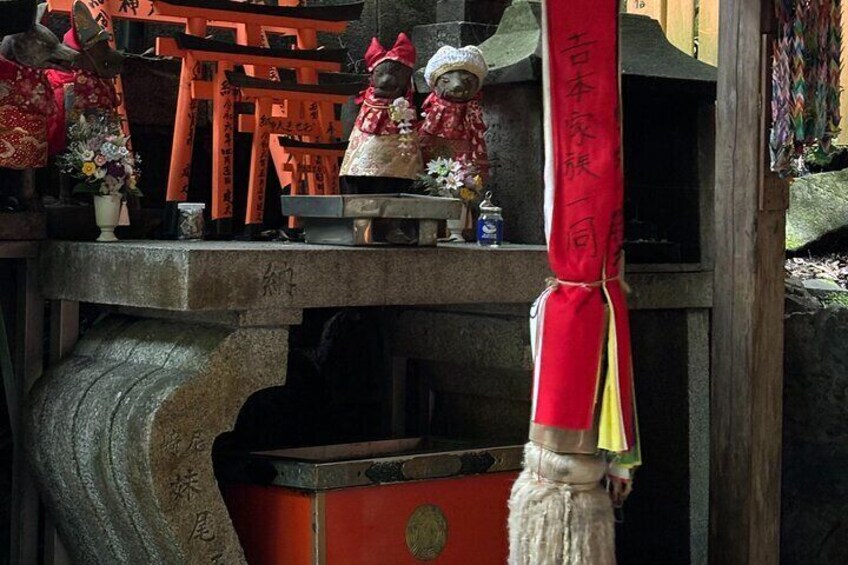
[(273, 16), (747, 381), (121, 10), (168, 47)]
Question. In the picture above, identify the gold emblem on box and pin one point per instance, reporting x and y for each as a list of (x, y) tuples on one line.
[(427, 532)]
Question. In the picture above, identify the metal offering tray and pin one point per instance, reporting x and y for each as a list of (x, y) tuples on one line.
[(370, 464), (372, 219)]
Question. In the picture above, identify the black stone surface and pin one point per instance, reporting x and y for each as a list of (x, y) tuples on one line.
[(430, 38), (479, 11), (815, 437)]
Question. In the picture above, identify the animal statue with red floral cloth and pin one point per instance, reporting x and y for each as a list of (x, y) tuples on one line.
[(90, 87), (453, 126), (384, 155), (26, 108)]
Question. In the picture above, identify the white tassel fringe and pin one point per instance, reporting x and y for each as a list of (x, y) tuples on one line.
[(559, 513)]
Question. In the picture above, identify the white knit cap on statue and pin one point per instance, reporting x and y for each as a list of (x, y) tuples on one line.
[(449, 59)]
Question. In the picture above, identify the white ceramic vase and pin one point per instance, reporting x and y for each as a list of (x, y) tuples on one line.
[(107, 212)]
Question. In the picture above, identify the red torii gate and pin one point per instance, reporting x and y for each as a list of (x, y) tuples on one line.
[(251, 24)]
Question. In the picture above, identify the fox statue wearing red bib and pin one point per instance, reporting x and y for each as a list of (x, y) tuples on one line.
[(384, 155)]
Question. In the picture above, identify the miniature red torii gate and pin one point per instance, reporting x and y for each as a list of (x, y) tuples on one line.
[(319, 97), (226, 55), (251, 23)]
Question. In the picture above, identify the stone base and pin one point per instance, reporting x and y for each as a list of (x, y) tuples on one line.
[(121, 435), (430, 38)]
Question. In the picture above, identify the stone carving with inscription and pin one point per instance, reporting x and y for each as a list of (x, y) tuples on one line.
[(139, 422), (384, 154)]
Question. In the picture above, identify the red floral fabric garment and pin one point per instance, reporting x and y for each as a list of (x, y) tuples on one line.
[(26, 106), (90, 93), (459, 122), (374, 117)]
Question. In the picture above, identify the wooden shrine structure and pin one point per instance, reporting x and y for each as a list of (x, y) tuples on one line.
[(195, 285)]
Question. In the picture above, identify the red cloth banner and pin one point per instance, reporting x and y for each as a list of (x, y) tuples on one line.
[(586, 226)]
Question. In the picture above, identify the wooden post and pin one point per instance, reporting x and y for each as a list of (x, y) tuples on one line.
[(28, 365), (747, 381), (843, 97), (708, 31), (680, 24)]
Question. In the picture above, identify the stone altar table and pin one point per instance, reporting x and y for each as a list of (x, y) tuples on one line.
[(121, 432)]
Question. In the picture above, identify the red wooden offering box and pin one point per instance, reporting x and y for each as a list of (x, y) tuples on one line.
[(383, 503)]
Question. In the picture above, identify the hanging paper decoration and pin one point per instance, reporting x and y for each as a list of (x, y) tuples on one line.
[(806, 61)]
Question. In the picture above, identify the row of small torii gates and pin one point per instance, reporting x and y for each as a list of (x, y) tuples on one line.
[(300, 114)]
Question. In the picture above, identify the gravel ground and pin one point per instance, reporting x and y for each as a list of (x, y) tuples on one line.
[(832, 267)]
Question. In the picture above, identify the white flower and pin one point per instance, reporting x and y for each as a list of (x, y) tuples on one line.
[(454, 182), (439, 167), (87, 155), (100, 173)]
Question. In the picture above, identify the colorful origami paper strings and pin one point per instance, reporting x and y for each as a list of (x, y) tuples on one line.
[(805, 81)]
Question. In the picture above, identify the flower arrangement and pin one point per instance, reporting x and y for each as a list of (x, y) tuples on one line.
[(451, 178), (402, 114), (99, 158)]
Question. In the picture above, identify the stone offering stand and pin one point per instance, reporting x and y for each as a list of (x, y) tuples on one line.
[(122, 429)]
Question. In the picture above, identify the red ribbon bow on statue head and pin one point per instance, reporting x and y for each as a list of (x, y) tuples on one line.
[(403, 52)]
